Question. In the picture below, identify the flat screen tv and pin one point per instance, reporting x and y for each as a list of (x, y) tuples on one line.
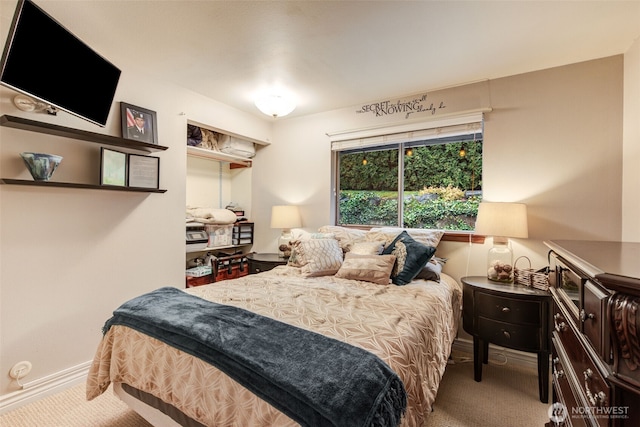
[(44, 60)]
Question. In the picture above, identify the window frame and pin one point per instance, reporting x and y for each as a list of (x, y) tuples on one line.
[(392, 137)]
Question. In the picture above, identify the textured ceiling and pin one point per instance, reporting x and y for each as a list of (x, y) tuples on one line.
[(334, 54)]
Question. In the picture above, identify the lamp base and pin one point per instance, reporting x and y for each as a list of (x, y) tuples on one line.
[(500, 262), (284, 244)]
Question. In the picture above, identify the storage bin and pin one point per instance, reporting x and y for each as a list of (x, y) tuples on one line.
[(243, 233), (199, 281), (219, 235), (231, 267)]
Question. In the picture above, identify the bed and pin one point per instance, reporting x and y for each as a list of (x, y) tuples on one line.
[(410, 328)]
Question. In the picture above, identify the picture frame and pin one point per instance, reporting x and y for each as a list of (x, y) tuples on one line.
[(143, 171), (138, 123), (113, 167)]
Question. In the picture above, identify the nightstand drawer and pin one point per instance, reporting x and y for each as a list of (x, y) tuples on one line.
[(519, 337), (510, 310)]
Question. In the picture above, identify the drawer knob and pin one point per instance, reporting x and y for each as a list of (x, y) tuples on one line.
[(584, 316), (588, 374), (561, 327), (506, 309), (506, 334)]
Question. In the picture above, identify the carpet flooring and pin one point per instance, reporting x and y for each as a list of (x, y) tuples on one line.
[(506, 397)]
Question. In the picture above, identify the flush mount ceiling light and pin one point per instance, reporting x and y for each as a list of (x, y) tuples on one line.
[(275, 105)]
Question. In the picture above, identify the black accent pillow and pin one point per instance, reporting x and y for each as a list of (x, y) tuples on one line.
[(430, 271), (411, 257)]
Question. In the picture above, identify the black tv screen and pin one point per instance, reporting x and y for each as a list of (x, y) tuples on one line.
[(44, 60)]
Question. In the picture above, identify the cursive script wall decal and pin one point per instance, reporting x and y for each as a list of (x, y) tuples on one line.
[(407, 107)]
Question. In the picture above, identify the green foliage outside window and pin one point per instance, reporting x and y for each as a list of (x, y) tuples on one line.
[(442, 189)]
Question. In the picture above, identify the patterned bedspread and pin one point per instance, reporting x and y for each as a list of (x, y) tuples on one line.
[(410, 327)]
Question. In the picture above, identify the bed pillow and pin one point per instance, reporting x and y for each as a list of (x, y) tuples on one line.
[(411, 257), (322, 257), (367, 248), (425, 236), (431, 271), (368, 268), (347, 237), (299, 235)]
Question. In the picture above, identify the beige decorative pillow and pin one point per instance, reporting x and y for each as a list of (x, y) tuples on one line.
[(367, 248), (323, 257), (425, 236), (368, 268), (345, 236)]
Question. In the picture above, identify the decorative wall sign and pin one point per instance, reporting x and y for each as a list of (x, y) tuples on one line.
[(440, 102), (408, 107)]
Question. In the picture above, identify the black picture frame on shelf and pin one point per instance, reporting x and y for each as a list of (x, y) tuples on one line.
[(138, 123), (113, 167), (143, 171)]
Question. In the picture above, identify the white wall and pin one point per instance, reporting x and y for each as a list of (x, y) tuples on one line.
[(68, 257), (631, 146), (553, 140)]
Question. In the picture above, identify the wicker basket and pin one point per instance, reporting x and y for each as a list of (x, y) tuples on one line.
[(528, 277)]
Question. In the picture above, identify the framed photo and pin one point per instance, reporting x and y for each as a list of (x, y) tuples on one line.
[(144, 171), (113, 167), (138, 124)]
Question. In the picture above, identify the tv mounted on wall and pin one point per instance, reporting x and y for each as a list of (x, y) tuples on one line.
[(44, 60)]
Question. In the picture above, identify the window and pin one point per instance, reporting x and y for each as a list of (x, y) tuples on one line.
[(430, 178)]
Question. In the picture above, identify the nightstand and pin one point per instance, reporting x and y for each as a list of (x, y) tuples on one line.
[(264, 262), (508, 315)]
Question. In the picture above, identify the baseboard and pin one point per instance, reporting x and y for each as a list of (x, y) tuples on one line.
[(42, 387), (500, 355)]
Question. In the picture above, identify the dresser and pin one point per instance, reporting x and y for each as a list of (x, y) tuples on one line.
[(595, 288), (508, 315)]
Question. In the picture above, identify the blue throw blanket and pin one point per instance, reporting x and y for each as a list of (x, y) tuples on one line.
[(315, 380)]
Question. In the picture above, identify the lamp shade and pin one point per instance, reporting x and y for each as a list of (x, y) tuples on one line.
[(502, 219), (275, 105), (285, 216)]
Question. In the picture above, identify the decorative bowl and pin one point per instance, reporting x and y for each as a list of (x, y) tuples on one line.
[(41, 165)]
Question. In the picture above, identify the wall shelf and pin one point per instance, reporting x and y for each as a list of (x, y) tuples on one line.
[(77, 185), (98, 138), (82, 135), (235, 161)]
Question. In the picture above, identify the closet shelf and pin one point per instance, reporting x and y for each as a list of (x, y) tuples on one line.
[(235, 161)]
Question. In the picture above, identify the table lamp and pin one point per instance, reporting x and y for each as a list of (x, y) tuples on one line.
[(285, 217), (501, 220)]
